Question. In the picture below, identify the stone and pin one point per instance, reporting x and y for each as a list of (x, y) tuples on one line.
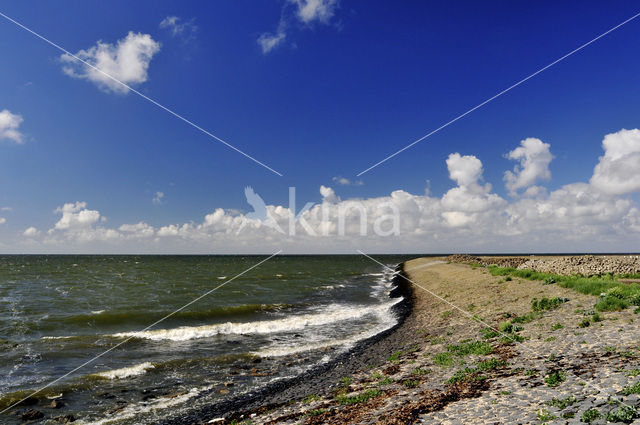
[(31, 414)]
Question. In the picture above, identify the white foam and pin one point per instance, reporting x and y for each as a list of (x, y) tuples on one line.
[(343, 344), (332, 314), (125, 372), (97, 311), (146, 407)]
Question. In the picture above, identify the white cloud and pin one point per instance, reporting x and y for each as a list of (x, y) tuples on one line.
[(618, 171), (269, 41), (157, 199), (346, 182), (76, 216), (3, 220), (9, 124), (138, 230), (465, 170), (468, 217), (307, 12), (178, 27), (533, 156), (31, 232), (127, 61), (315, 10), (328, 194), (462, 205), (6, 209)]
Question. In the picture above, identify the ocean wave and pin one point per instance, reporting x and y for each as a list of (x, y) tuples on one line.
[(332, 314), (125, 372)]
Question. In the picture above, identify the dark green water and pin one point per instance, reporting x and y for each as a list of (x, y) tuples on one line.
[(290, 313)]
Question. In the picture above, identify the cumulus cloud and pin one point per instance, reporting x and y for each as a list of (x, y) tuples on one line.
[(309, 11), (76, 216), (3, 220), (534, 157), (9, 124), (127, 61), (346, 182), (328, 194), (179, 27), (618, 171), (31, 232), (157, 199), (467, 217), (463, 204)]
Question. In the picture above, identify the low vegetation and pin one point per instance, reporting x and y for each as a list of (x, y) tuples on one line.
[(590, 416), (554, 379), (562, 403), (614, 294), (358, 398)]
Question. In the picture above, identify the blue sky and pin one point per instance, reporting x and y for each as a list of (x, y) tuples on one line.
[(339, 92)]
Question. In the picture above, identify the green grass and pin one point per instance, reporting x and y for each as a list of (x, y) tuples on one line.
[(479, 348), (623, 413), (385, 381), (491, 364), (585, 285), (554, 379), (482, 366), (590, 415), (545, 303), (461, 375), (420, 372), (633, 372), (444, 359), (395, 357), (562, 403), (466, 348), (346, 381), (358, 398), (632, 389), (557, 326), (609, 303), (488, 333), (625, 294), (411, 383), (316, 412)]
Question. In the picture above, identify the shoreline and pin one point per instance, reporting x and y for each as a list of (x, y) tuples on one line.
[(532, 350), (320, 379)]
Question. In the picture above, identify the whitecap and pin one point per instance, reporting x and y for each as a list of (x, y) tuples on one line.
[(125, 372), (331, 314)]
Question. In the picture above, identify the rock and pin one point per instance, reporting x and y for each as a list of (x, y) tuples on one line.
[(176, 394), (29, 401), (65, 419), (56, 404), (31, 414), (223, 391), (228, 384)]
